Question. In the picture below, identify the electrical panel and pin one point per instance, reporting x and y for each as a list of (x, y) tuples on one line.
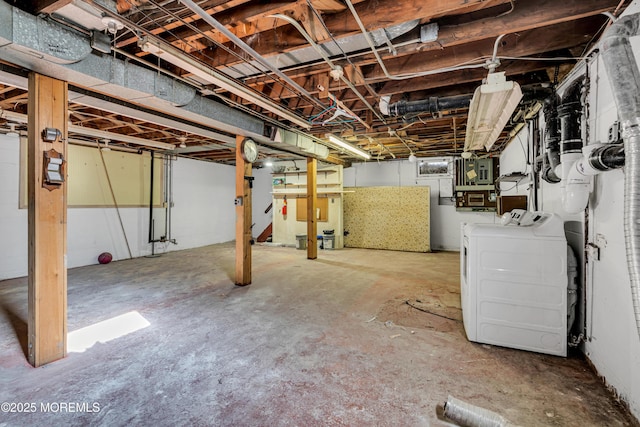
[(475, 184)]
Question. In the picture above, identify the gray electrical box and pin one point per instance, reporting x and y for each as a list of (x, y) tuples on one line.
[(475, 184), (472, 174)]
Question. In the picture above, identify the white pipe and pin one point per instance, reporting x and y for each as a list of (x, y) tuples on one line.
[(384, 104), (576, 186)]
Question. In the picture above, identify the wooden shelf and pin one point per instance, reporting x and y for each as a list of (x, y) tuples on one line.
[(295, 191)]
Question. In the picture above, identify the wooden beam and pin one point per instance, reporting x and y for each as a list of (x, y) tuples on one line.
[(179, 23), (544, 39), (47, 324), (525, 16), (243, 217), (243, 21), (312, 203), (46, 6), (343, 24), (459, 77)]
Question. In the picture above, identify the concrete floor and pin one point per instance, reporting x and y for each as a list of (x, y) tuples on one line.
[(329, 342)]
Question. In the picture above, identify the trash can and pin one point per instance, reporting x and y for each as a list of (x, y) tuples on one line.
[(319, 240), (328, 239), (301, 241)]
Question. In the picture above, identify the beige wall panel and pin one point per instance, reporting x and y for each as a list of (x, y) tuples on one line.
[(395, 218), (129, 174)]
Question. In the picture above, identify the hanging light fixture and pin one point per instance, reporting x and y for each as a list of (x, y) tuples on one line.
[(492, 105), (348, 146)]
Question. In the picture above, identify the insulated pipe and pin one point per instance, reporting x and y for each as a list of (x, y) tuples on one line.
[(551, 139), (624, 78), (430, 105)]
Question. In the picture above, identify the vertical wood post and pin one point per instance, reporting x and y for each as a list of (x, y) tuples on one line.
[(243, 218), (47, 324), (312, 203)]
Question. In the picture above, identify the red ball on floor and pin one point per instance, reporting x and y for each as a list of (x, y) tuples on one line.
[(104, 258)]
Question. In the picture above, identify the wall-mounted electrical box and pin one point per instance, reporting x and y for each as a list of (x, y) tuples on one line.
[(475, 184)]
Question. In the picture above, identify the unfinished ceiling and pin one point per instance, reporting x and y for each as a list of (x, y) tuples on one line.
[(306, 65)]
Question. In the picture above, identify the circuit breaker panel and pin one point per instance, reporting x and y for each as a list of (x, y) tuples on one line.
[(475, 184)]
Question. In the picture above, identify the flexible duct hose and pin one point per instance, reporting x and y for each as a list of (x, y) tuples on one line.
[(468, 415), (624, 78)]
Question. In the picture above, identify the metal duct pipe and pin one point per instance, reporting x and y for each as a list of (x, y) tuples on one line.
[(551, 139), (430, 105), (624, 77)]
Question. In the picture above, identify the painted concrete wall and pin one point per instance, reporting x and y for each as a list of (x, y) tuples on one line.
[(203, 214), (612, 343), (445, 220), (286, 228)]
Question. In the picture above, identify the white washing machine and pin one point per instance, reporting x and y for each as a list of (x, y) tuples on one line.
[(514, 282)]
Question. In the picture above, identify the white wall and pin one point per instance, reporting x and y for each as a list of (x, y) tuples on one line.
[(261, 199), (612, 342), (13, 221), (203, 214), (445, 220)]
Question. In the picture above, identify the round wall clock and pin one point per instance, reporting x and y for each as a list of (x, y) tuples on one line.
[(249, 150)]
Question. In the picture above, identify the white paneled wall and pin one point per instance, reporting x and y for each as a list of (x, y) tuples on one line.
[(445, 220), (203, 214), (612, 343)]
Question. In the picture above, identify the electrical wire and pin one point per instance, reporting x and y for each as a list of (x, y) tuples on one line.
[(205, 36)]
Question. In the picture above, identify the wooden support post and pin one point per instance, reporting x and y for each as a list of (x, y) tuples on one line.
[(243, 217), (312, 202), (47, 324)]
